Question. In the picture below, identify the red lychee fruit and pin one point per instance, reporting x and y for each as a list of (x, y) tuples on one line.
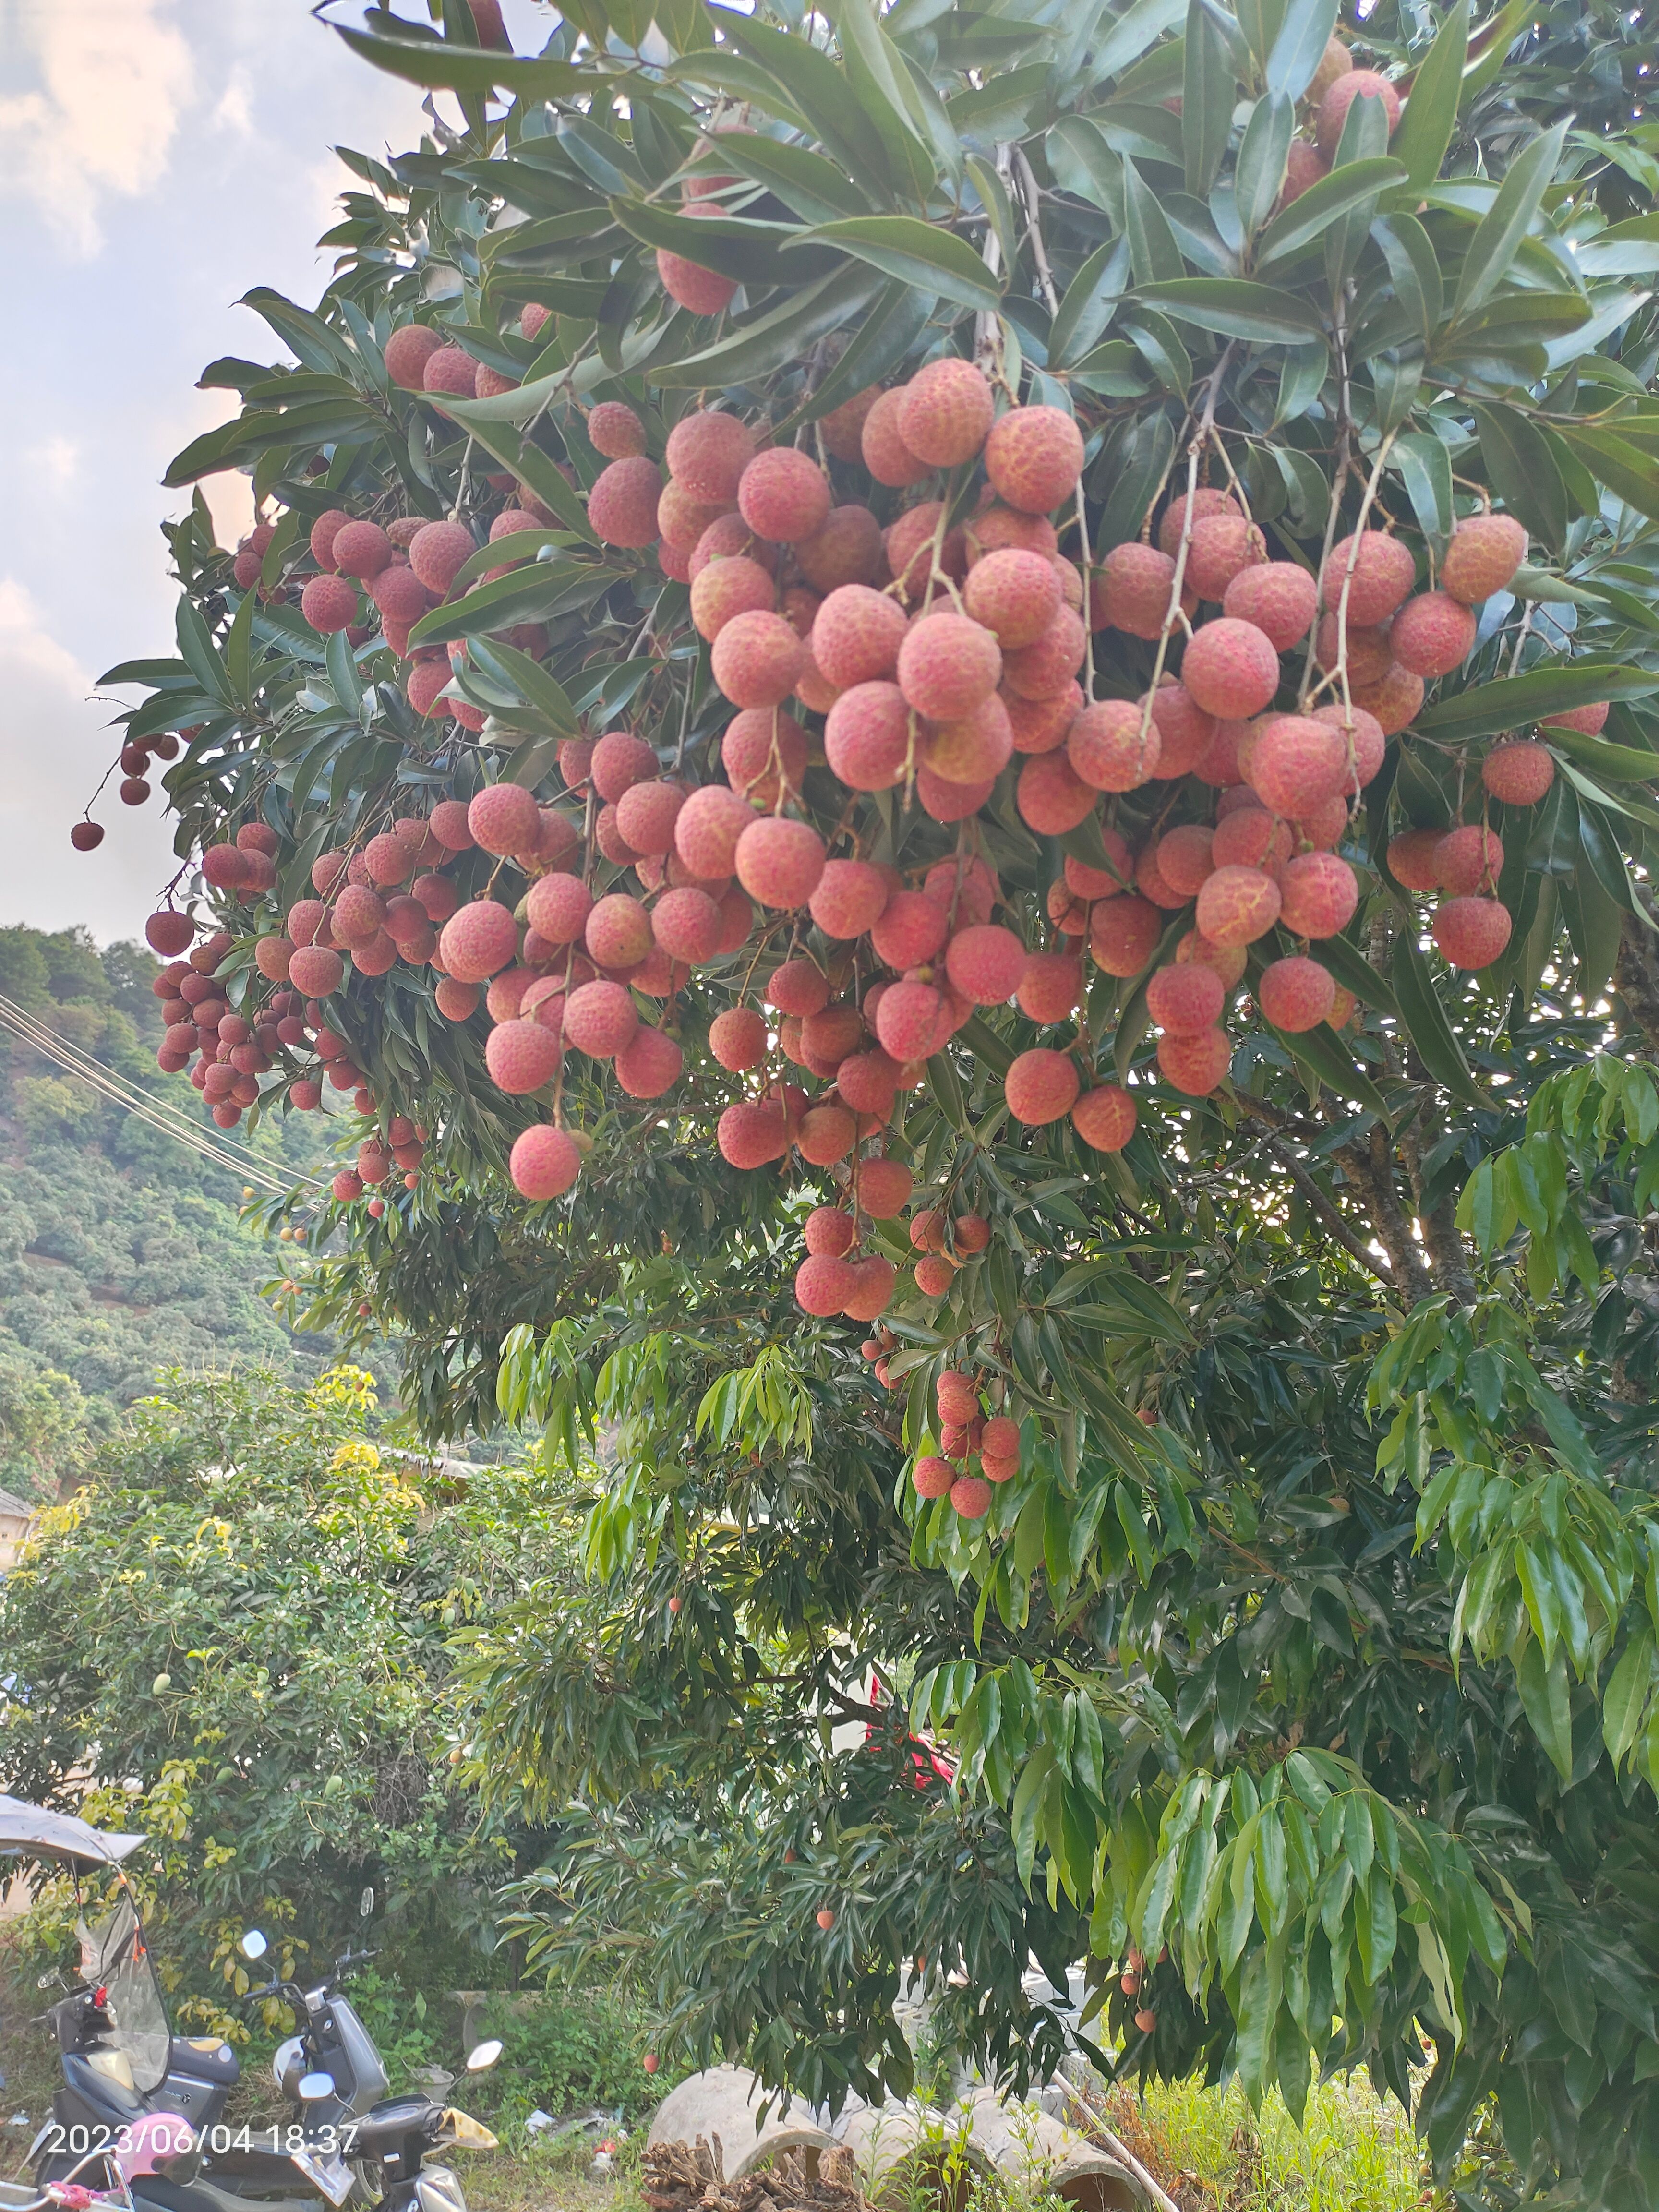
[(1136, 581), (842, 428), (622, 507), (738, 1038), (946, 412), (833, 1034), (913, 548), (1318, 893), (1295, 994), (438, 552), (881, 443), (456, 1001), (827, 1133), (1015, 594), (476, 941), (616, 431), (317, 971), (872, 1293), (1432, 634), (845, 550), (1197, 1064), (764, 751), (1123, 934), (1102, 883), (829, 1231), (451, 370), (600, 1018), (1228, 961), (972, 750), (1588, 721), (543, 1163), (779, 862), (1362, 736), (1231, 669), (1034, 457), (726, 588), (1468, 859), (1353, 84), (1293, 762), (1472, 931), (910, 1021), (618, 931), (1413, 859), (522, 1056), (1370, 654), (1304, 165), (1047, 668), (971, 1496), (362, 549), (824, 1283), (407, 353), (1039, 726), (884, 1187), (707, 453), (1395, 701), (699, 291), (1185, 858), (1184, 730), (750, 1135), (1223, 546), (986, 963), (329, 604), (1384, 571), (1041, 1086), (683, 520), (168, 933), (998, 527), (910, 930), (706, 829), (849, 897), (1277, 597), (729, 534), (1186, 998), (646, 813), (686, 924), (1105, 1119), (1051, 986), (504, 819), (1237, 905), (856, 637), (1109, 749), (947, 664), (757, 659), (950, 802), (933, 1476), (797, 987), (1483, 555), (87, 836), (783, 495), (1517, 774), (1218, 762), (1051, 796)]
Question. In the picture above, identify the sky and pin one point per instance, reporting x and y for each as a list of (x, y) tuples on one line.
[(158, 158)]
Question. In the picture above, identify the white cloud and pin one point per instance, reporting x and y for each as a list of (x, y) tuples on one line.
[(58, 458), (235, 109), (99, 115)]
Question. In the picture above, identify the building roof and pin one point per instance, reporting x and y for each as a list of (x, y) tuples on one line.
[(12, 1507)]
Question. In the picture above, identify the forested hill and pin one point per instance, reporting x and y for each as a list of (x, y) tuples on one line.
[(120, 1248)]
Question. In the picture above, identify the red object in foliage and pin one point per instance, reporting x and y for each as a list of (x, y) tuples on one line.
[(926, 1764)]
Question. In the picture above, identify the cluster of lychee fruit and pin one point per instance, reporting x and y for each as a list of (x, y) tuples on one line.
[(965, 1433)]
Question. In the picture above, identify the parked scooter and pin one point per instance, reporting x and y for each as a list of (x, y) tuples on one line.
[(122, 2066)]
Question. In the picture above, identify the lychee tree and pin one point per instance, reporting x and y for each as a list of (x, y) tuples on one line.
[(983, 682)]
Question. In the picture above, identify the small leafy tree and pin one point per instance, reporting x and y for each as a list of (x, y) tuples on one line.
[(1300, 1673)]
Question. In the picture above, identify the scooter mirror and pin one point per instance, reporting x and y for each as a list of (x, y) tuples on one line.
[(254, 1945), (314, 2086), (483, 2056), (366, 1903)]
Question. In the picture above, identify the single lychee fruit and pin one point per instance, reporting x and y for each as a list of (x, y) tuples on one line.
[(1277, 597), (1483, 555), (1517, 774), (1414, 859), (946, 412), (933, 1476), (1113, 745), (1588, 721), (824, 1283), (757, 659), (845, 550), (1231, 669), (1319, 892), (964, 886), (616, 431), (827, 1133), (884, 1186), (1363, 739), (618, 931), (1353, 84), (1395, 701), (545, 1163), (407, 353), (706, 829), (1123, 934), (729, 534), (947, 663), (707, 453), (1304, 164), (477, 939), (452, 370), (646, 813), (622, 507), (970, 1496), (856, 637), (750, 1135), (1136, 581), (1369, 655), (849, 897), (683, 519), (726, 588), (686, 924), (1185, 999), (842, 428), (1196, 1064), (329, 604), (1184, 730), (738, 1038), (1034, 457), (971, 750), (1237, 905), (881, 443), (913, 549), (1041, 1086), (503, 818), (872, 1293), (600, 1018), (1218, 763), (456, 1001), (950, 802), (1293, 762), (831, 1231), (910, 931), (1051, 986), (779, 862), (1104, 882), (1468, 859), (1185, 858), (362, 549), (764, 751), (1039, 726), (1472, 931), (317, 970), (1051, 796), (1295, 994), (1015, 594), (522, 1056), (986, 963), (1343, 1003), (783, 495), (1223, 546), (910, 1018), (1384, 571), (998, 527), (832, 1035), (1105, 1119), (1047, 668), (1432, 634), (699, 291), (1228, 961)]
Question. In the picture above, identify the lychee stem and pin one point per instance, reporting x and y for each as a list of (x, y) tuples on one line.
[(1201, 439)]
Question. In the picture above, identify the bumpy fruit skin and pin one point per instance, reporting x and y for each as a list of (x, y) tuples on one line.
[(1034, 457), (1396, 702), (1186, 999), (1123, 934), (750, 1135), (614, 431), (407, 353), (1105, 1119), (831, 1231), (1048, 666), (1293, 762), (842, 428), (522, 1056), (856, 637), (701, 291), (329, 604), (1197, 1064), (1222, 547), (451, 370), (1369, 655), (933, 1476), (600, 1018), (1136, 581), (1041, 1086), (971, 1496), (708, 452), (1432, 634), (1277, 597), (947, 664), (1319, 892), (623, 504), (824, 1283), (971, 750), (479, 940), (649, 1064), (1015, 594), (1304, 167), (985, 963), (686, 924), (1107, 747), (1186, 858), (1588, 721), (1483, 555), (1228, 961), (1237, 906), (763, 751), (1183, 730), (1250, 837), (1051, 986), (784, 495), (1468, 859), (1231, 669), (706, 829), (1412, 861), (1472, 931), (1295, 994), (946, 411), (845, 549), (646, 813), (779, 862), (757, 659), (867, 737), (738, 1038), (1051, 796), (1384, 572), (1351, 85), (1209, 499), (881, 443), (1336, 61), (1518, 775), (504, 819), (457, 1001), (1363, 743), (724, 589)]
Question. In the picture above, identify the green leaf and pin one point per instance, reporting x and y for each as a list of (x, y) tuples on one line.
[(1425, 466), (1308, 30), (916, 252), (1626, 472), (1614, 763), (201, 655), (1623, 249), (1510, 702), (1132, 33), (1547, 1700), (1521, 470), (446, 66), (784, 333), (1235, 309), (1414, 270), (1625, 1700), (1262, 155), (1431, 116), (1084, 163), (874, 71), (1261, 21), (1207, 103), (1153, 253), (1425, 1024), (752, 252), (533, 595), (818, 87), (1090, 303), (1497, 238), (883, 337), (1311, 214), (815, 188), (1321, 1054), (1356, 974)]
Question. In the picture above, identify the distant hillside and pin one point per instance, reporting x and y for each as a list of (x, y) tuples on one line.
[(120, 1250)]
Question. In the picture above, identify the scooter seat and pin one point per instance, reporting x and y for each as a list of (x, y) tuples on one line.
[(204, 2058), (391, 2119)]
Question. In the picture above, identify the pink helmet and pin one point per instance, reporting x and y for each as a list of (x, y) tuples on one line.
[(151, 2144)]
